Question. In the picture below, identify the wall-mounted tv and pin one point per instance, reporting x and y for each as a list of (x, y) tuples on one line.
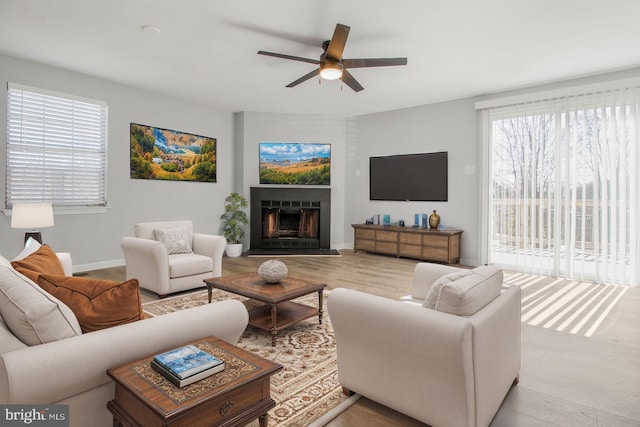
[(409, 177)]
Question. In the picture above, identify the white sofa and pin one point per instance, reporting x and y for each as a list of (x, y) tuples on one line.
[(440, 368), (163, 272), (72, 371)]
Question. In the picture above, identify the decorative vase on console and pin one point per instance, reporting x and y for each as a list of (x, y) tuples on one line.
[(434, 220)]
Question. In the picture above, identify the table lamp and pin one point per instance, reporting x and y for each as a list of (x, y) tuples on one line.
[(32, 215)]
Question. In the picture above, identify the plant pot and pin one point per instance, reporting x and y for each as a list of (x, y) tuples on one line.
[(233, 250)]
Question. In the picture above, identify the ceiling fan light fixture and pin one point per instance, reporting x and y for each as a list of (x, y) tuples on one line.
[(332, 66), (331, 71)]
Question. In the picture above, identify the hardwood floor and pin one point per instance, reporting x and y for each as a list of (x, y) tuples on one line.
[(566, 379)]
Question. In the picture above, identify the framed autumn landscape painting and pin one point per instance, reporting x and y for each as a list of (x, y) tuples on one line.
[(165, 154), (295, 163)]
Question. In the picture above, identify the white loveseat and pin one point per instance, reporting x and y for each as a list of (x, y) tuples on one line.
[(164, 271), (440, 368), (72, 370)]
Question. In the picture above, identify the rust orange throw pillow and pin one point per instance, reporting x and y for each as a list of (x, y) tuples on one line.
[(43, 260), (98, 304)]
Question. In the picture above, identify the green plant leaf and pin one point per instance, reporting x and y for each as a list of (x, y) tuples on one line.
[(234, 217)]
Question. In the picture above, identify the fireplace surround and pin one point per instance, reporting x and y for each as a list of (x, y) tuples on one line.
[(290, 218)]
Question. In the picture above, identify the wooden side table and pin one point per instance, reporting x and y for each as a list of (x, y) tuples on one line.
[(233, 397)]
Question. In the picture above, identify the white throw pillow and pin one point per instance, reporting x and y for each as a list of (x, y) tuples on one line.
[(468, 294), (30, 247), (177, 240), (32, 315), (436, 288)]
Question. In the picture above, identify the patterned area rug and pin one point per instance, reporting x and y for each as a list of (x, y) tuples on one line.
[(307, 389)]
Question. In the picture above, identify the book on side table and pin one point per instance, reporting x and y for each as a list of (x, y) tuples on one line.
[(185, 365)]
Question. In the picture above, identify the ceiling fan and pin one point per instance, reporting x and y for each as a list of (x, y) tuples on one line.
[(332, 66)]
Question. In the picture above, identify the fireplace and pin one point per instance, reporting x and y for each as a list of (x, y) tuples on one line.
[(290, 218), (290, 223)]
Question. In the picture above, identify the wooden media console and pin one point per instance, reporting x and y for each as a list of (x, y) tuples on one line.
[(409, 242)]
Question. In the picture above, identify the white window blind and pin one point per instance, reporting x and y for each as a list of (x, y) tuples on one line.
[(56, 148), (563, 176)]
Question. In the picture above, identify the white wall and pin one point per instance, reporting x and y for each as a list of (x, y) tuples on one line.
[(94, 239), (448, 126), (253, 128)]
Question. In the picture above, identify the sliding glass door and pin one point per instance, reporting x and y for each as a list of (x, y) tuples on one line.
[(563, 185)]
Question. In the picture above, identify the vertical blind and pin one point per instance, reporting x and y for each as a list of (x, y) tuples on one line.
[(563, 185), (56, 148)]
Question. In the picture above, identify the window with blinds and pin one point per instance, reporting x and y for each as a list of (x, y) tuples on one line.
[(56, 148), (563, 176)]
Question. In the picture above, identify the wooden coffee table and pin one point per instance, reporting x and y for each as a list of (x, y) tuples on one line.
[(277, 311), (233, 397)]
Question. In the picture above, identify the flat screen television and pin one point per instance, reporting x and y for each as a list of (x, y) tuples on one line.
[(409, 177)]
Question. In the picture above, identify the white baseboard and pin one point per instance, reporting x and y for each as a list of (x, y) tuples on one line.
[(470, 262), (80, 268), (342, 246)]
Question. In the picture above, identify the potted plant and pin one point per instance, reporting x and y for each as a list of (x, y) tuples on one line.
[(234, 219)]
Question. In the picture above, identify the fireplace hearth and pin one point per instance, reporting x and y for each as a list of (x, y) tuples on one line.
[(290, 218)]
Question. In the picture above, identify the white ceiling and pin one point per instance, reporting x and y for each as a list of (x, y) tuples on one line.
[(206, 50)]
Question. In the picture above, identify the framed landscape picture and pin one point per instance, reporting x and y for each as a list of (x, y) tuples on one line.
[(165, 154), (295, 163)]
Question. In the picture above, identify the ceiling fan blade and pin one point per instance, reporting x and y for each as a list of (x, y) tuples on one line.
[(304, 78), (338, 41), (373, 62), (293, 58), (350, 81)]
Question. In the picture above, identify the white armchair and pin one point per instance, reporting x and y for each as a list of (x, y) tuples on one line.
[(439, 368), (163, 272)]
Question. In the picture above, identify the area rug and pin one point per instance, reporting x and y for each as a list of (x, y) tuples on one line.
[(306, 391)]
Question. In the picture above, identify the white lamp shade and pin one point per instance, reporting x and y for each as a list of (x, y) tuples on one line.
[(31, 215)]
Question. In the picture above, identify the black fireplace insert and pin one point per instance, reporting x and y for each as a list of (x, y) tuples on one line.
[(290, 218)]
